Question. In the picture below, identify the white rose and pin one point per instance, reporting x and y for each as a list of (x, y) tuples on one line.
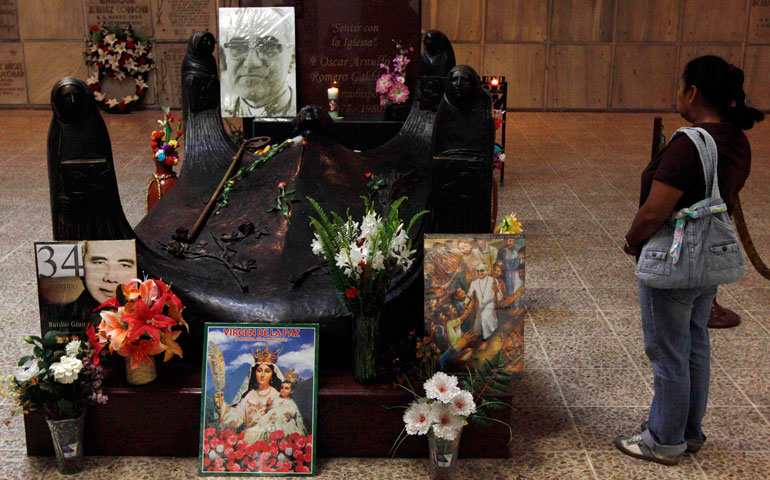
[(66, 370), (72, 348), (27, 371)]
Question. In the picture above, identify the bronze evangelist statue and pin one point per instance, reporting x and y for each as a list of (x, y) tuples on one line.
[(246, 264), (438, 58), (463, 143)]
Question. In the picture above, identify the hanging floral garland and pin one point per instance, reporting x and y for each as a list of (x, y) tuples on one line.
[(115, 52)]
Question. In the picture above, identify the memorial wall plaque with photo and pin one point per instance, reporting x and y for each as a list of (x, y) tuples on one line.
[(177, 20), (474, 299), (9, 20), (13, 85), (345, 42), (110, 12)]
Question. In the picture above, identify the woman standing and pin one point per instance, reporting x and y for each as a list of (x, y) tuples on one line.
[(674, 321)]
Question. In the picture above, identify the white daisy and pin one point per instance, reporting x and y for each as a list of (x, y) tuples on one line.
[(442, 387), (417, 418), (462, 404), (316, 245), (446, 424)]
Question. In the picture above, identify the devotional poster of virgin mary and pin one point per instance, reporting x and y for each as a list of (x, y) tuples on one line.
[(260, 391)]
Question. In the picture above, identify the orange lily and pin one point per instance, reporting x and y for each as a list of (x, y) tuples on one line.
[(114, 329), (168, 340)]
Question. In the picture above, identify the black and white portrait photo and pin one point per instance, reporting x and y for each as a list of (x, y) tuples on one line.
[(257, 62)]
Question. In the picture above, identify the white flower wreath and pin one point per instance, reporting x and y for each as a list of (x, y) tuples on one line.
[(116, 52)]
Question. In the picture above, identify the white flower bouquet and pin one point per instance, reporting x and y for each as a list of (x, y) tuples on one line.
[(444, 410), (58, 378), (363, 259)]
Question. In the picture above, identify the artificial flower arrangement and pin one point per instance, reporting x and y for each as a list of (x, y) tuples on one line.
[(392, 83), (165, 141), (229, 452), (58, 379), (116, 52), (142, 319), (363, 259), (509, 225)]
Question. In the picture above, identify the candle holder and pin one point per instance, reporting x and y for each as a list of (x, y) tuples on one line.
[(333, 94)]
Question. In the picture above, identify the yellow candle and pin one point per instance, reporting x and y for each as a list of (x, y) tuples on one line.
[(333, 92)]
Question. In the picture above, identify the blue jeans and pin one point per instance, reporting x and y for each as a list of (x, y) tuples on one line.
[(676, 340)]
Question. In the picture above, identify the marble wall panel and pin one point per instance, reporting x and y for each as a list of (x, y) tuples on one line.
[(648, 20), (516, 21), (13, 83), (524, 68), (51, 20), (168, 57), (759, 21), (458, 19), (9, 20), (582, 20), (47, 62), (136, 12), (177, 20), (571, 84), (757, 71), (644, 77), (708, 21)]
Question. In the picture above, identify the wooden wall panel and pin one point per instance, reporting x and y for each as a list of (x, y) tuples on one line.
[(9, 20), (732, 53), (524, 68), (582, 20), (648, 21), (427, 9), (51, 20), (707, 21), (644, 77), (759, 22), (516, 21), (47, 62), (571, 84), (459, 19), (757, 71), (469, 54)]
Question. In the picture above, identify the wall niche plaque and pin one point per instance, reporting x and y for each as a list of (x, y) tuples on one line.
[(344, 41), (13, 86), (9, 20), (110, 12)]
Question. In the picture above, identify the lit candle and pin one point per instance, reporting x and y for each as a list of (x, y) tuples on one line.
[(333, 92)]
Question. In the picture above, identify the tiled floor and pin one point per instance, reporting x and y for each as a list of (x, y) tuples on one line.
[(573, 179)]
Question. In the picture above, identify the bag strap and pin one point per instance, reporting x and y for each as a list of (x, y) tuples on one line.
[(709, 157)]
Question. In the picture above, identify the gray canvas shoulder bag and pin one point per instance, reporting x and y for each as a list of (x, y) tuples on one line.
[(697, 246)]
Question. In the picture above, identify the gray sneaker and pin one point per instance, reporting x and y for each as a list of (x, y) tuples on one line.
[(634, 446), (691, 448)]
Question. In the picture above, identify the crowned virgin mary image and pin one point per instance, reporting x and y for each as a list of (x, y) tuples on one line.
[(260, 403)]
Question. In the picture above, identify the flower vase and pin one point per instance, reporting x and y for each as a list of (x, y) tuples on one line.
[(67, 436), (161, 182), (366, 333), (443, 456), (143, 374)]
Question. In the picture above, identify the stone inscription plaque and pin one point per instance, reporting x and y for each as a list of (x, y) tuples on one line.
[(169, 58), (759, 21), (9, 20), (13, 85), (109, 12), (337, 41), (177, 20)]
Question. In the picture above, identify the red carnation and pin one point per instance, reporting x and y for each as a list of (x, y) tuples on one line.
[(140, 91), (142, 61), (281, 184), (153, 145), (122, 105), (130, 44), (94, 28), (351, 292), (368, 175)]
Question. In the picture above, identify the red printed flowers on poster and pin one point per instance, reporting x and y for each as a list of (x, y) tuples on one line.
[(227, 451)]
